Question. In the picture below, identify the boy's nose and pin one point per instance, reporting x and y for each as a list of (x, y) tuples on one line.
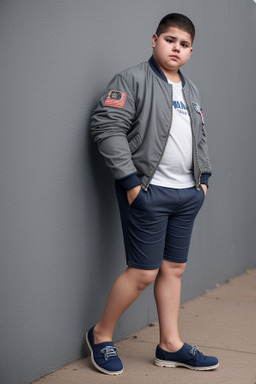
[(176, 47)]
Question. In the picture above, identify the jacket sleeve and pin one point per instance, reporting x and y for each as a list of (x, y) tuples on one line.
[(111, 122), (204, 158), (202, 147)]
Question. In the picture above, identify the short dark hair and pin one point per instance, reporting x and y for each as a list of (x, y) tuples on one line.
[(176, 20)]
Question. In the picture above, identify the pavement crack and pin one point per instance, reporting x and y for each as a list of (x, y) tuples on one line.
[(227, 349)]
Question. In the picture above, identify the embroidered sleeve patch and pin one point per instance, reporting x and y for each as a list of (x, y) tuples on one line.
[(199, 110), (116, 99)]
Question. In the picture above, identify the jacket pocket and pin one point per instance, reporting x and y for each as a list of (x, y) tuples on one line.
[(135, 142)]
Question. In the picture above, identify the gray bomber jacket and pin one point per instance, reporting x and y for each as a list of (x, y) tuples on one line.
[(132, 121)]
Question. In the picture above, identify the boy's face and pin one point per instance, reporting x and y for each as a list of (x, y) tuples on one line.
[(172, 49)]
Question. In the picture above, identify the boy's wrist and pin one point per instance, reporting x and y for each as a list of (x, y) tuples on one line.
[(204, 186)]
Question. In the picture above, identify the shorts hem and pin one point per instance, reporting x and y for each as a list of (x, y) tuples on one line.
[(176, 260), (145, 267)]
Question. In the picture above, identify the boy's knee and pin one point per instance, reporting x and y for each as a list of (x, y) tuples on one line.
[(180, 269), (143, 278), (176, 269), (146, 278)]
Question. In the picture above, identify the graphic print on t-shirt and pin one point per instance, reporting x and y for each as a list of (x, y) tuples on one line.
[(180, 107)]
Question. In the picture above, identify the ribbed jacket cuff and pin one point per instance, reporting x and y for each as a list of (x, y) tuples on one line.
[(130, 181), (205, 179)]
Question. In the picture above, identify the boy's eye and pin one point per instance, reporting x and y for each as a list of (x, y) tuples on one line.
[(184, 45)]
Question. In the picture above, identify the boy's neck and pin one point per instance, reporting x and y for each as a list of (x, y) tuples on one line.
[(173, 77)]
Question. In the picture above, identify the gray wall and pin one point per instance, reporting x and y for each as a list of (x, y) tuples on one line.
[(61, 243)]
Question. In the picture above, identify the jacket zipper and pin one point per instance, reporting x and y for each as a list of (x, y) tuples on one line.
[(194, 136), (146, 188)]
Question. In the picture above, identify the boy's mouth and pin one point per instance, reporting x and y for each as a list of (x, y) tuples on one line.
[(174, 56)]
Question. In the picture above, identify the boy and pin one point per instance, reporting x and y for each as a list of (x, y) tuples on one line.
[(149, 127)]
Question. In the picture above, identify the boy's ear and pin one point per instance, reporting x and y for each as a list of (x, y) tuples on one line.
[(154, 40), (191, 50)]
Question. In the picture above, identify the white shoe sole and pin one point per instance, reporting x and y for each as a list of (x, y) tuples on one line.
[(115, 373), (174, 364)]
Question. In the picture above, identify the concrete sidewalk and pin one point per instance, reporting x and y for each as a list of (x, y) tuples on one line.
[(222, 322)]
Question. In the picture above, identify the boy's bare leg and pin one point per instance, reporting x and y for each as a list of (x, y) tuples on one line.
[(167, 296), (124, 292)]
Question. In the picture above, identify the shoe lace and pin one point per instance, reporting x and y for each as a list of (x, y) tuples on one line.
[(109, 351), (194, 350)]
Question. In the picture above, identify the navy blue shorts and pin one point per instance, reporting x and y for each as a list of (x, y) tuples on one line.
[(158, 224)]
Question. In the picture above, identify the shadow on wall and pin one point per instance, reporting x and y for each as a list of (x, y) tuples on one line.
[(103, 233)]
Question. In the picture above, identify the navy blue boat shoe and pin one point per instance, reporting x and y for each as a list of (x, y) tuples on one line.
[(188, 356), (104, 356)]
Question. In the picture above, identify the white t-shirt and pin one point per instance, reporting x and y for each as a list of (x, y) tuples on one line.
[(175, 168)]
